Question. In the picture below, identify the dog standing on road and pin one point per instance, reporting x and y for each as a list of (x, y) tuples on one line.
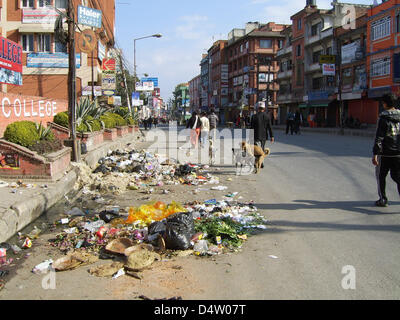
[(256, 152)]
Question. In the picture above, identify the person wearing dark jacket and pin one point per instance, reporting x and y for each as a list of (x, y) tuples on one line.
[(261, 124), (387, 149)]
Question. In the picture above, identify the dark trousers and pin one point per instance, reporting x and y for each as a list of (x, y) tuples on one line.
[(260, 143), (290, 125), (386, 165)]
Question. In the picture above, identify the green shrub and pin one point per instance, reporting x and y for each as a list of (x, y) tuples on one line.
[(62, 119), (23, 133), (119, 121), (109, 121)]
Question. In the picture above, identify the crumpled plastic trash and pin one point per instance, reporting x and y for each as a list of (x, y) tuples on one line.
[(151, 212), (94, 226), (200, 247), (219, 188), (43, 267), (75, 212)]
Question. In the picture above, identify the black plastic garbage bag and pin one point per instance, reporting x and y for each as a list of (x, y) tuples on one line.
[(102, 168), (158, 227), (179, 231), (184, 170), (108, 216)]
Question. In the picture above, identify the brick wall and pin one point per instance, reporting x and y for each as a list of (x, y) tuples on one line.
[(32, 108)]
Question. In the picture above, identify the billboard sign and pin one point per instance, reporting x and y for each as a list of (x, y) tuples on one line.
[(108, 65), (89, 17), (108, 82), (87, 91), (101, 51), (50, 60), (327, 59), (328, 69), (40, 15), (10, 55), (145, 86), (154, 80), (108, 92), (349, 52)]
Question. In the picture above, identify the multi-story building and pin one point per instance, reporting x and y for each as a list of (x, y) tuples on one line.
[(205, 82), (252, 67), (383, 49), (307, 83), (218, 77), (353, 70), (45, 60), (194, 92)]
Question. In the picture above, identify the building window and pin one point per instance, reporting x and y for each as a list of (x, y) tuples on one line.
[(315, 29), (43, 3), (280, 44), (299, 24), (329, 51), (241, 48), (381, 28), (298, 50), (27, 42), (265, 44), (380, 67), (398, 22), (289, 65), (43, 41), (247, 45), (299, 73), (27, 3), (61, 4)]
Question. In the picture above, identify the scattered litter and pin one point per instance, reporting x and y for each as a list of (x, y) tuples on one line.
[(43, 267), (273, 257), (3, 184), (120, 273), (107, 270)]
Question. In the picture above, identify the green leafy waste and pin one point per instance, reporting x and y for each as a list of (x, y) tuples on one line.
[(228, 229)]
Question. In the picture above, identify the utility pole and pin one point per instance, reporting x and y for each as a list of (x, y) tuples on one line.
[(72, 82), (339, 64), (125, 83)]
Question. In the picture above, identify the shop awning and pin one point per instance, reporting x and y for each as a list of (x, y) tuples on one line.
[(303, 105), (323, 105)]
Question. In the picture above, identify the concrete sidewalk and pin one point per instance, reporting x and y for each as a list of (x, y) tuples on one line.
[(18, 210)]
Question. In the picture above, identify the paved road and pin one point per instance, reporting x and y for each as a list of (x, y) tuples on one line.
[(317, 191)]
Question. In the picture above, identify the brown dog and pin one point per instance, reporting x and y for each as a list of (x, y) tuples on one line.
[(256, 152)]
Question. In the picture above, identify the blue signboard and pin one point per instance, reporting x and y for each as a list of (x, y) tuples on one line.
[(154, 80), (89, 17), (318, 95), (10, 77), (50, 60)]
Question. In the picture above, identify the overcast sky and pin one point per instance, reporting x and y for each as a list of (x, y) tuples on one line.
[(189, 28)]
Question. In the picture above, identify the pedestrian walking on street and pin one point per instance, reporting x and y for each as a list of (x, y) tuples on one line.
[(290, 123), (387, 149), (213, 124), (205, 129), (194, 124), (261, 124), (298, 119)]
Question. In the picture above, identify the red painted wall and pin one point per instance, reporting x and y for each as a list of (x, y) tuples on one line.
[(19, 108)]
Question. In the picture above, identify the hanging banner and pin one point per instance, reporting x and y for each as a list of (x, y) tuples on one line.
[(10, 62), (50, 60), (39, 15)]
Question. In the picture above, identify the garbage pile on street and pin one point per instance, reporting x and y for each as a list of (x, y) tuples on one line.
[(136, 238), (126, 170)]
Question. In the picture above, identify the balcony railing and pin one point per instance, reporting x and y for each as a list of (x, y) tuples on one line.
[(320, 36), (285, 74), (284, 51), (313, 67)]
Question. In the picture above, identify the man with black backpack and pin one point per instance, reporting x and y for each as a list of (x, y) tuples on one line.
[(387, 149)]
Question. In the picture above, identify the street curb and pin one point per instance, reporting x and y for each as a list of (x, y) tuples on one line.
[(23, 213), (354, 133)]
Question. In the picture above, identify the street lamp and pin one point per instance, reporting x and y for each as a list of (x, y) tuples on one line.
[(134, 52)]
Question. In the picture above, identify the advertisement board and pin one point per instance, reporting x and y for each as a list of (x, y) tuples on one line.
[(145, 86), (87, 91), (154, 80), (10, 62), (108, 82), (349, 52), (101, 51), (89, 17), (40, 15), (328, 69), (50, 60)]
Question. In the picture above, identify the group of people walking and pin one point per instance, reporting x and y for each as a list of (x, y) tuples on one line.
[(149, 122), (200, 126), (293, 122)]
